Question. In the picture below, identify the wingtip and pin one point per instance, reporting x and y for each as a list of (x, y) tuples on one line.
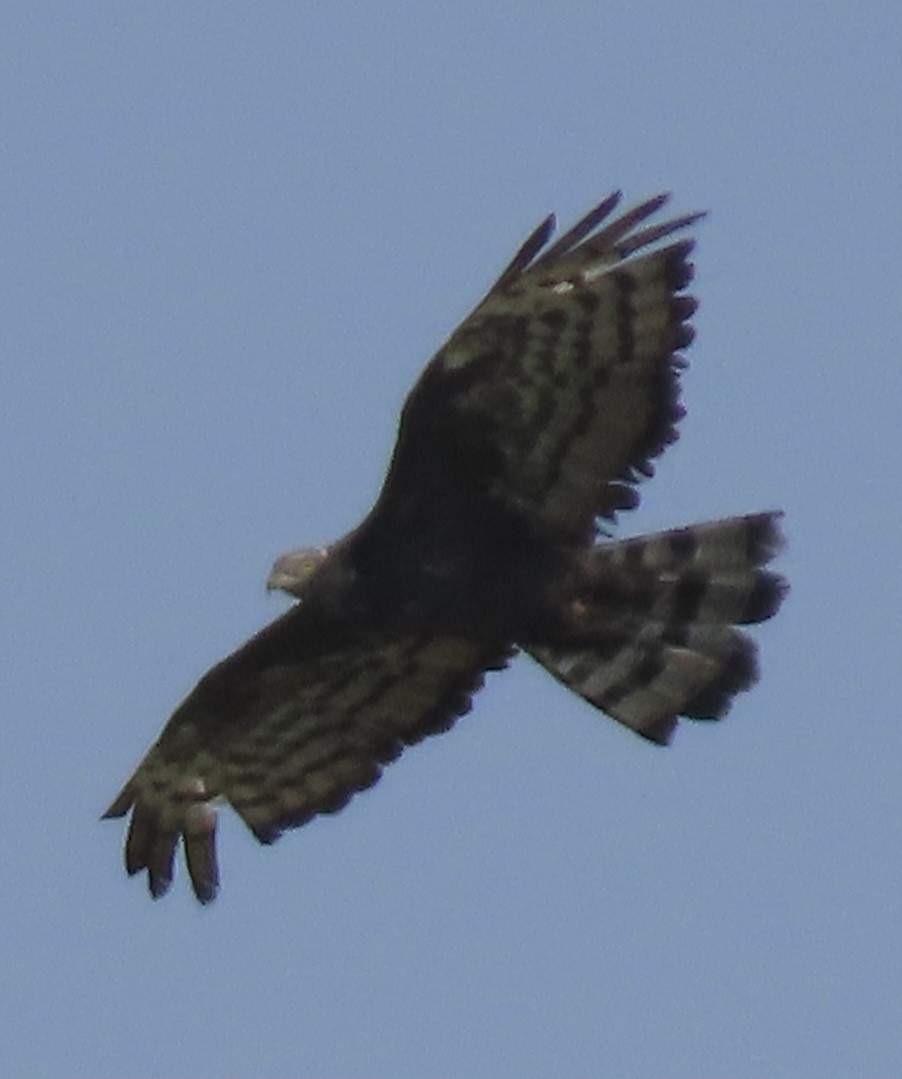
[(608, 204), (158, 886), (120, 805), (200, 852)]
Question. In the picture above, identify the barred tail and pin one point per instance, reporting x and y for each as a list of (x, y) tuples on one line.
[(667, 645)]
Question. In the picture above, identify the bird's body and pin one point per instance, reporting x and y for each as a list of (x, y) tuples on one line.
[(525, 436)]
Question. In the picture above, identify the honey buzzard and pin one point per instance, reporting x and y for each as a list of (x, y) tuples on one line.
[(524, 437)]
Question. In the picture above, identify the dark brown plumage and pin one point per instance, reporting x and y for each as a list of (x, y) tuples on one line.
[(525, 436)]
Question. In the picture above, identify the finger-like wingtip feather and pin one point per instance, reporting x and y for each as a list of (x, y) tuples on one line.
[(200, 852), (527, 251), (152, 847), (120, 805), (647, 236), (161, 864), (584, 226)]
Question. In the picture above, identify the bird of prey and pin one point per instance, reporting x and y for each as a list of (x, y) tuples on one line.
[(524, 437)]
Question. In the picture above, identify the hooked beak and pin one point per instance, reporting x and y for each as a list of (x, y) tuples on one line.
[(277, 580), (289, 573)]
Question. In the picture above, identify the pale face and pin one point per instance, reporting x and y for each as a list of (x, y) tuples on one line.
[(291, 572)]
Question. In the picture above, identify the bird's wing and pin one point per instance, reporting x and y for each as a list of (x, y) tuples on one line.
[(557, 392), (285, 731)]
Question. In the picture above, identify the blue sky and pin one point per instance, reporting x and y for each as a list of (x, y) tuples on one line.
[(232, 235)]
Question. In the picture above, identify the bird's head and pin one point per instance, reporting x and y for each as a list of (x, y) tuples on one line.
[(292, 572)]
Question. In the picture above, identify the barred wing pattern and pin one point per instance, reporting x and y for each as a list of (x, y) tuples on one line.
[(540, 414), (567, 373), (295, 740)]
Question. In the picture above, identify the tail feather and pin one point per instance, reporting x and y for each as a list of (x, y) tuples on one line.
[(664, 608), (704, 573)]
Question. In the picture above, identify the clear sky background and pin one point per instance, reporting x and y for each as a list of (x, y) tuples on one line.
[(231, 235)]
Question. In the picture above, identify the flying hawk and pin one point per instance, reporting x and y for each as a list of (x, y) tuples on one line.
[(526, 434)]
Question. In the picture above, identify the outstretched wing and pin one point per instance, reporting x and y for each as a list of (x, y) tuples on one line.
[(283, 730), (558, 391)]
